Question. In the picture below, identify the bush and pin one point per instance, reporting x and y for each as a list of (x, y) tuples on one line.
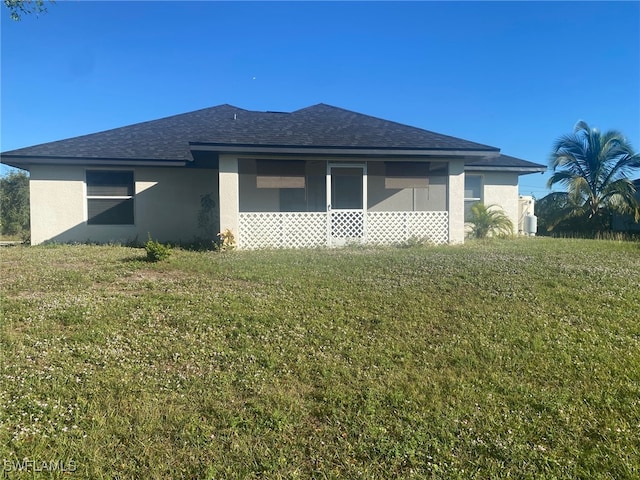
[(227, 240), (156, 251), (489, 221)]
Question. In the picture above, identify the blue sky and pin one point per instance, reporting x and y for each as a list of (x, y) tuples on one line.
[(515, 75)]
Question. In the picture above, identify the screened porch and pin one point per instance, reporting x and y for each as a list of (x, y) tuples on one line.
[(314, 203)]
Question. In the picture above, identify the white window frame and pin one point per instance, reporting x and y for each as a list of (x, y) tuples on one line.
[(473, 200)]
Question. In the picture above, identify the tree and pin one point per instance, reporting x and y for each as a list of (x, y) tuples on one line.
[(17, 8), (14, 204), (594, 168), (554, 213), (489, 220)]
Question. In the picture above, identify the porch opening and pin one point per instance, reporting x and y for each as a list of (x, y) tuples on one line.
[(308, 203)]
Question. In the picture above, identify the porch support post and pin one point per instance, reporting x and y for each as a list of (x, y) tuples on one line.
[(229, 195), (455, 201), (328, 185)]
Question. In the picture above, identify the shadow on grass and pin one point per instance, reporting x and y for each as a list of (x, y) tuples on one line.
[(136, 259)]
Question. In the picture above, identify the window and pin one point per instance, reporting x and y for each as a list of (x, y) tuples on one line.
[(399, 175), (472, 192), (280, 174), (289, 177), (110, 197)]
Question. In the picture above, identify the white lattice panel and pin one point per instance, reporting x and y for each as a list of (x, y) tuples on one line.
[(398, 227), (347, 224), (309, 229), (282, 230)]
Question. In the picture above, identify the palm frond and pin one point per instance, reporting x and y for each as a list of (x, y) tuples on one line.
[(591, 165), (489, 220), (562, 177), (558, 207), (581, 126), (620, 196)]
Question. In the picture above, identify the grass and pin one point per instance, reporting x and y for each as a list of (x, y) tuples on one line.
[(12, 238), (499, 359)]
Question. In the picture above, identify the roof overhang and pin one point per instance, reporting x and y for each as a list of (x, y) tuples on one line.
[(24, 162), (518, 170), (339, 151)]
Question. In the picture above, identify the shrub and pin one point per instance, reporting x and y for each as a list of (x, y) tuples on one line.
[(156, 251), (489, 220), (227, 240)]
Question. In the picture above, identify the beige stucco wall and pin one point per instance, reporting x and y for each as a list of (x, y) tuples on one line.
[(455, 201), (501, 188), (168, 202), (58, 204), (229, 193), (166, 205)]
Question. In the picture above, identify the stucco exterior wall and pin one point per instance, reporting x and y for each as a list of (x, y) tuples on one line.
[(229, 194), (58, 203), (455, 201), (501, 188), (166, 205)]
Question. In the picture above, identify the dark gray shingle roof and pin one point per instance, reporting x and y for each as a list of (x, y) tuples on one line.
[(504, 162), (320, 125)]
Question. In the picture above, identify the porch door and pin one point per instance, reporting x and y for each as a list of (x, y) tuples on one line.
[(347, 200)]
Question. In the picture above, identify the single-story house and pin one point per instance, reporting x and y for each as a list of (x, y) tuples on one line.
[(319, 176)]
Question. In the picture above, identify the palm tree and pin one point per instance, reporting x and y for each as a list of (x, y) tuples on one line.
[(486, 220), (595, 169)]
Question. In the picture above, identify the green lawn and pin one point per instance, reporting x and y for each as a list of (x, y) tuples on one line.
[(503, 359)]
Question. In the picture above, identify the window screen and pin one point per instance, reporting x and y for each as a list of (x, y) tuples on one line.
[(110, 197), (280, 174), (399, 175)]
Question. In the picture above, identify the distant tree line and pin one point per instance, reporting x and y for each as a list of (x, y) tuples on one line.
[(14, 205)]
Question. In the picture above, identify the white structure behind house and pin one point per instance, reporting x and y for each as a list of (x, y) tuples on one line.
[(527, 221)]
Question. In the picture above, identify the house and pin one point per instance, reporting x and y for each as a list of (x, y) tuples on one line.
[(319, 176)]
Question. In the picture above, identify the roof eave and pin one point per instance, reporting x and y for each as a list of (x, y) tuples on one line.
[(340, 151), (19, 161), (519, 170)]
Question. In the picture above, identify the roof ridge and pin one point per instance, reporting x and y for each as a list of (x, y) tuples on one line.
[(404, 125), (320, 125)]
